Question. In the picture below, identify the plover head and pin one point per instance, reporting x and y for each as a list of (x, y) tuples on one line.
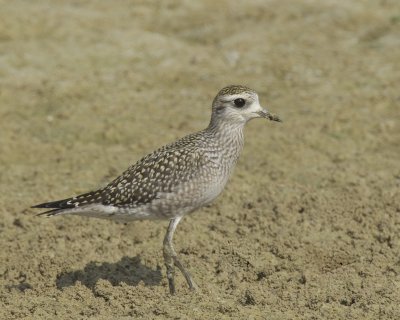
[(239, 104)]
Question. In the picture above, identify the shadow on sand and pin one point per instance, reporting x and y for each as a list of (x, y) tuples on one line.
[(128, 270)]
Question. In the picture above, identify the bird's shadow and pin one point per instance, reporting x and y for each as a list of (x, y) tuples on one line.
[(128, 270)]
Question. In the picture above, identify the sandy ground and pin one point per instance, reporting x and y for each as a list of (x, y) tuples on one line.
[(308, 227)]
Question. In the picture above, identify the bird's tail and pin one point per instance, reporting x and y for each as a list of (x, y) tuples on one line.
[(56, 207), (60, 206)]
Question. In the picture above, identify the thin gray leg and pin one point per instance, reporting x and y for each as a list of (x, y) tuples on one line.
[(171, 258)]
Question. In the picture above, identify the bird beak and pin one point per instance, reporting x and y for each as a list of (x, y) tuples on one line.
[(265, 114)]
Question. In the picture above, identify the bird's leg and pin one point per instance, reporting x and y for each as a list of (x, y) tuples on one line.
[(171, 258)]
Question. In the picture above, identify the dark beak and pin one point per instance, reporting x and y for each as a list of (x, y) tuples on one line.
[(265, 114)]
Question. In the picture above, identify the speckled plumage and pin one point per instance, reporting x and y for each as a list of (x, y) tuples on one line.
[(177, 178), (231, 90)]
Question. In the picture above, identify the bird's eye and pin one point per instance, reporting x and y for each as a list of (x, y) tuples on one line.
[(239, 102)]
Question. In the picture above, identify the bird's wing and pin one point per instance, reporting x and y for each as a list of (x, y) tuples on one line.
[(159, 172)]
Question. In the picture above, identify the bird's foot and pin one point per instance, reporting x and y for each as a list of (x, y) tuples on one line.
[(192, 285), (171, 275)]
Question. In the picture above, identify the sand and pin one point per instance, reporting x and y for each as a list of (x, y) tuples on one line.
[(309, 225)]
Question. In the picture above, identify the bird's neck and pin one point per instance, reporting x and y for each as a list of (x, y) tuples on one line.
[(228, 137)]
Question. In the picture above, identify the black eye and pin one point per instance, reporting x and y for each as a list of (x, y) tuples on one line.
[(239, 102)]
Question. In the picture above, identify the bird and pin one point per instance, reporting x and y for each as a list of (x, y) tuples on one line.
[(176, 179)]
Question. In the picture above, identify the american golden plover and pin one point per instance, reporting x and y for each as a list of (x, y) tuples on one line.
[(176, 179)]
